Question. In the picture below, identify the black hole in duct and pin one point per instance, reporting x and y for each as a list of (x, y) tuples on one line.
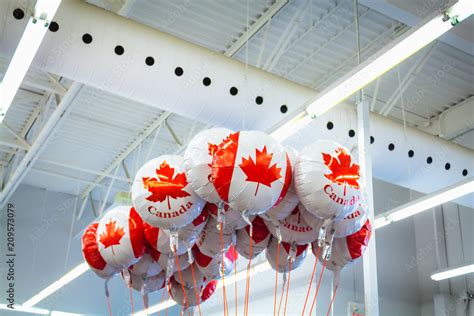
[(119, 50), (206, 81), (391, 147), (372, 139), (234, 91), (87, 38), (429, 160), (447, 166), (178, 71), (411, 153), (259, 100), (53, 27), (329, 125), (18, 14), (283, 109), (150, 61), (352, 133), (464, 172)]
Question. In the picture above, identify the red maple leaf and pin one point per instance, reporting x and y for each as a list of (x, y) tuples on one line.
[(260, 171), (112, 235), (212, 148), (343, 171), (166, 185)]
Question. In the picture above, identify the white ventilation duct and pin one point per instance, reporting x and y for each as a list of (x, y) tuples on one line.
[(66, 53)]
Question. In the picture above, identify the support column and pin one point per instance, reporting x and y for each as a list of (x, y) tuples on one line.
[(365, 163)]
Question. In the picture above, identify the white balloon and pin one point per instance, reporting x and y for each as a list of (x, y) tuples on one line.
[(211, 241), (251, 171), (346, 250), (182, 259), (120, 236), (198, 160), (260, 238), (149, 284), (294, 228), (327, 180), (146, 266), (188, 279), (342, 226), (162, 195), (189, 233), (283, 260), (91, 254), (284, 207), (233, 219), (211, 267)]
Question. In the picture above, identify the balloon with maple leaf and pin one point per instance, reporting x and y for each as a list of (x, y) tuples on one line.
[(327, 180), (272, 251), (345, 250), (287, 204), (198, 159), (251, 171), (162, 195), (91, 253), (342, 226), (260, 238), (294, 228), (120, 236), (210, 242), (188, 298)]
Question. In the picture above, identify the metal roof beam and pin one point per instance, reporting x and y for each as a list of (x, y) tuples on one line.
[(58, 116)]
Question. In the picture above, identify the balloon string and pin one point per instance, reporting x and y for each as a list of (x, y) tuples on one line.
[(287, 288), (107, 298), (317, 287), (235, 286), (247, 283), (276, 280), (311, 281), (167, 296), (181, 281), (131, 299), (224, 292), (332, 301), (195, 290), (281, 297)]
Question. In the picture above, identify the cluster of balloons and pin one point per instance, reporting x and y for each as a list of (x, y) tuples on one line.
[(231, 193)]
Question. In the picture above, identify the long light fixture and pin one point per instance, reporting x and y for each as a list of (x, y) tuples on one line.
[(424, 203), (68, 277), (453, 272), (25, 52), (25, 309), (381, 62)]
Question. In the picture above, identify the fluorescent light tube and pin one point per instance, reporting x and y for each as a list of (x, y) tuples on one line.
[(453, 272), (20, 308), (429, 201), (402, 48), (25, 52), (68, 277)]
